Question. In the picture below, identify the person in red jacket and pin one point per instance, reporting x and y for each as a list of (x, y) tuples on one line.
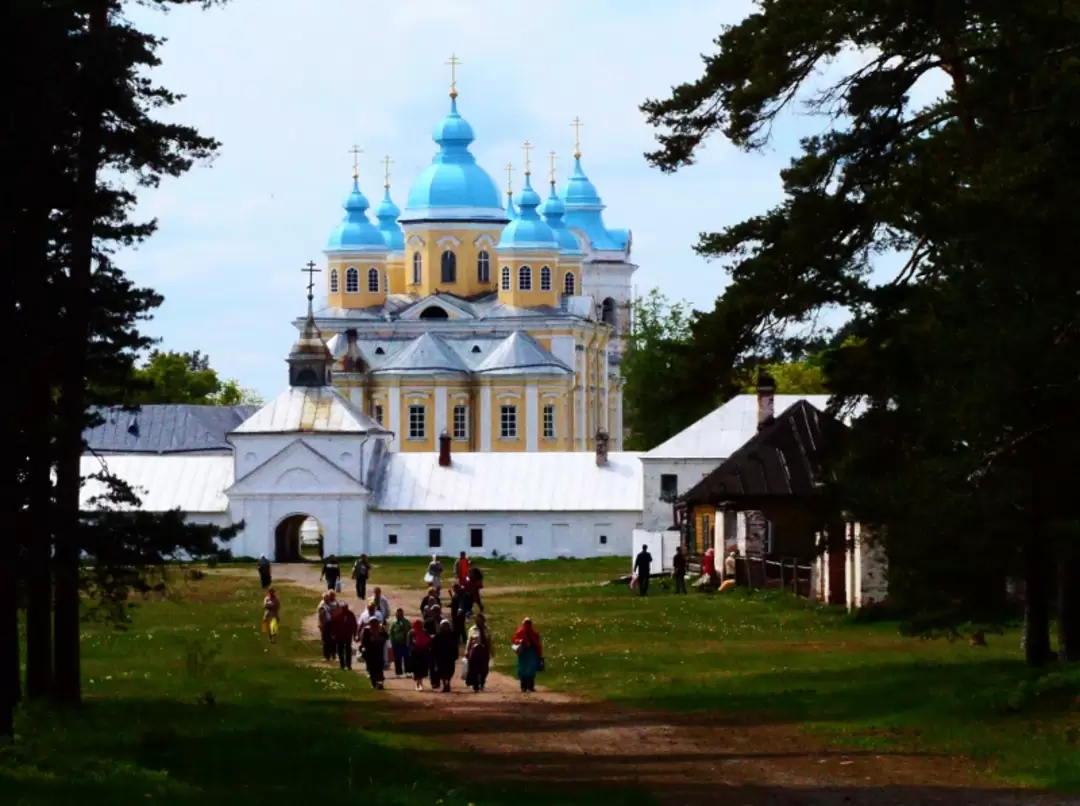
[(342, 630)]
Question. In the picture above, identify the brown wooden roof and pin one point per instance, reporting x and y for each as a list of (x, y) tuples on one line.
[(784, 460)]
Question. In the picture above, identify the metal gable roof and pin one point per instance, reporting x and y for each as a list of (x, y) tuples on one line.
[(189, 483), (426, 353), (509, 482), (165, 428), (320, 408), (521, 352)]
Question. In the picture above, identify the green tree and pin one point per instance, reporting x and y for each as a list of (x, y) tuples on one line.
[(959, 355), (172, 377)]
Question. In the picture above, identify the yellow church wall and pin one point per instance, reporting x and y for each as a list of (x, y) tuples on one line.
[(465, 244), (417, 397), (395, 270), (533, 296), (337, 277), (507, 395)]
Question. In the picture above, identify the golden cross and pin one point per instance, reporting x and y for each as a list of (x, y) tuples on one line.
[(527, 148), (551, 157), (509, 179), (387, 162), (356, 151), (577, 124), (310, 270), (454, 62)]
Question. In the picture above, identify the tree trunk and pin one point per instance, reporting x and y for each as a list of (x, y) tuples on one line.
[(1069, 603), (67, 686), (1036, 605)]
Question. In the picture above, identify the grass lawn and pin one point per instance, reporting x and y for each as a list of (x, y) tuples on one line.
[(192, 705), (787, 660)]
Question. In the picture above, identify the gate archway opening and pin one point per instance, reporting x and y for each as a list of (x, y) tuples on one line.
[(298, 538)]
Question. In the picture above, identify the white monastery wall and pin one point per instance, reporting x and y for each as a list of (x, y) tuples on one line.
[(657, 514)]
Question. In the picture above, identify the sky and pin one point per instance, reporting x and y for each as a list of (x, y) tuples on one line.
[(288, 88)]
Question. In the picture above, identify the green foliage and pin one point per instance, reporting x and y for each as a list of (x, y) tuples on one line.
[(794, 378), (171, 377), (959, 354)]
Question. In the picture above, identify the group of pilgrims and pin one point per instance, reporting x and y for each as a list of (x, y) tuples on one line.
[(426, 648)]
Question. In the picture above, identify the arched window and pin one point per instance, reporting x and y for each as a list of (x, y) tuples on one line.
[(386, 282), (333, 281), (524, 279), (545, 278), (569, 284), (483, 268), (434, 312), (608, 312), (352, 281), (505, 278), (449, 267), (417, 267), (373, 280)]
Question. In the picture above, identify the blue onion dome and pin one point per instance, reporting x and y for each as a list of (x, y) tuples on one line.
[(454, 186), (387, 213), (528, 230), (355, 232), (553, 211), (584, 209)]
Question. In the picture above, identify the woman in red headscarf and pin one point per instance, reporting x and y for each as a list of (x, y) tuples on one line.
[(530, 651), (708, 568), (419, 653)]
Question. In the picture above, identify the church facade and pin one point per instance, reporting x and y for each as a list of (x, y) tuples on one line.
[(498, 322)]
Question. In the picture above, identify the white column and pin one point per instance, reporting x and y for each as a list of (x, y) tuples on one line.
[(356, 397), (485, 418), (606, 367), (440, 411), (532, 419), (619, 428), (393, 402)]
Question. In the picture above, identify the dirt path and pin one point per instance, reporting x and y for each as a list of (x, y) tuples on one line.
[(501, 735)]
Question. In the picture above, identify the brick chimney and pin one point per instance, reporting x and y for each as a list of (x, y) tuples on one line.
[(444, 449), (766, 398), (601, 447)]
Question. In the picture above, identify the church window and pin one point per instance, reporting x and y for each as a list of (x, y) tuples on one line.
[(461, 422), (434, 537), (476, 348), (380, 351), (417, 422), (391, 540), (373, 280), (333, 281), (669, 487), (569, 284), (378, 413), (545, 278), (508, 422), (476, 538), (417, 268), (483, 268), (386, 283), (524, 279), (607, 311), (449, 267), (352, 281), (549, 422), (505, 278)]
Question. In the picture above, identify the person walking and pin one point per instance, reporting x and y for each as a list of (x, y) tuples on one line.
[(731, 566), (271, 615), (444, 656), (642, 567), (461, 611), (264, 571), (530, 654), (678, 570), (369, 613), (331, 573), (373, 650), (419, 653), (360, 571), (430, 598), (382, 605), (325, 613), (461, 569), (478, 653), (343, 628), (711, 579), (399, 642), (433, 577)]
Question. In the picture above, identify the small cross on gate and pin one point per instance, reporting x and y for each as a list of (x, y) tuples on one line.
[(310, 270)]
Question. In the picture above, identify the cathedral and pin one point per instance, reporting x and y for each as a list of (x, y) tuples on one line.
[(498, 322)]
